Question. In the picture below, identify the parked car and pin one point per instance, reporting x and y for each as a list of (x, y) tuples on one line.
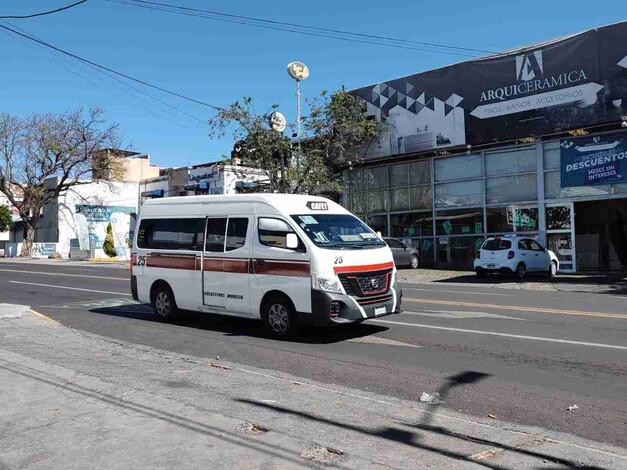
[(403, 255), (515, 255)]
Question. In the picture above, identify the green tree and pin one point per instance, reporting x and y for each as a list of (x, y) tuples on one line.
[(5, 218), (108, 245), (335, 133), (44, 156)]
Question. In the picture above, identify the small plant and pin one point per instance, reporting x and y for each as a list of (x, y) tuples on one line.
[(108, 245)]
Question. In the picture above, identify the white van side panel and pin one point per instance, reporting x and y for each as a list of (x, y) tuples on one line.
[(278, 269)]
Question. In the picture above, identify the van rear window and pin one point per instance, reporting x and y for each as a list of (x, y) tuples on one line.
[(171, 234), (496, 245)]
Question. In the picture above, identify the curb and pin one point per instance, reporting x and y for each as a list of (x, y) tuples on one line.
[(43, 317)]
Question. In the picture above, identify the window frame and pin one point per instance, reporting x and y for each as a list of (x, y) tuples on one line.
[(226, 237), (301, 245), (226, 226)]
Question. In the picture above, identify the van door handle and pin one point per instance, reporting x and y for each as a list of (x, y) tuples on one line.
[(260, 262)]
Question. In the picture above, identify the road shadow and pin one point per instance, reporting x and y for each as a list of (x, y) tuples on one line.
[(416, 439), (609, 283), (128, 405), (236, 326)]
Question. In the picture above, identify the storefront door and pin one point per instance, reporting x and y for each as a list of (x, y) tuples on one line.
[(560, 224), (601, 234)]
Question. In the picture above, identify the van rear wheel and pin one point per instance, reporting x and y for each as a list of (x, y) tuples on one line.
[(279, 316), (163, 302)]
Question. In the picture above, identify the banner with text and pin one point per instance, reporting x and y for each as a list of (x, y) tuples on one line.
[(560, 85), (594, 160)]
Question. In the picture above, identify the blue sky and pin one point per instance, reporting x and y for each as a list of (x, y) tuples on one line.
[(220, 62)]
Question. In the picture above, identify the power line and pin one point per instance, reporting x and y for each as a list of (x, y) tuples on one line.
[(23, 17), (99, 86), (316, 28), (129, 77), (304, 29)]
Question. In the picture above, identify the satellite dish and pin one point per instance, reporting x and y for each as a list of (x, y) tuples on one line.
[(278, 121), (298, 71)]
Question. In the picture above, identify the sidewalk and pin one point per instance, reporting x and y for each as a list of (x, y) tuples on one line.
[(67, 262), (606, 283), (74, 400)]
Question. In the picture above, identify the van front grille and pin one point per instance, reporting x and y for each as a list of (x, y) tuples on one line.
[(366, 284)]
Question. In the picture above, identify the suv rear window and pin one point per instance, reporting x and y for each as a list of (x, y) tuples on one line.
[(496, 245)]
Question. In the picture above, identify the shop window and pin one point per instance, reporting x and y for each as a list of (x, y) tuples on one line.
[(510, 162), (462, 193), (356, 178), (378, 223), (512, 219), (462, 222), (399, 199), (458, 167), (420, 172), (619, 188), (416, 224), (552, 156), (558, 218), (511, 189), (398, 175), (359, 203), (376, 178), (553, 189), (376, 201), (420, 197), (425, 245), (458, 252)]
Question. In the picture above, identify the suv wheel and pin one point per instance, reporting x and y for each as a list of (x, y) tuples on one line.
[(552, 269), (521, 271), (414, 262)]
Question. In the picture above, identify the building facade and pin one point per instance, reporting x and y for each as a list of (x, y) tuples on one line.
[(532, 141)]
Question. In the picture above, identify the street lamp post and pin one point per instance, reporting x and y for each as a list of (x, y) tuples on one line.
[(299, 72)]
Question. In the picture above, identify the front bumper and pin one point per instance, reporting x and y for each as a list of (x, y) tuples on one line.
[(351, 309), (491, 266)]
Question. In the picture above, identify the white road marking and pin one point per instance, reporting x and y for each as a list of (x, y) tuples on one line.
[(506, 335), (66, 274), (459, 315), (69, 288), (379, 340), (459, 292)]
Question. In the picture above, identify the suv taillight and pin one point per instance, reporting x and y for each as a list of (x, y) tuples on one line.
[(510, 255)]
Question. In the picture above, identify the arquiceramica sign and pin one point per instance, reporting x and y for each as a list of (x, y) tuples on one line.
[(591, 160)]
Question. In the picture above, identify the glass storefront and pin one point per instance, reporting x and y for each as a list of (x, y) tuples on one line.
[(447, 205)]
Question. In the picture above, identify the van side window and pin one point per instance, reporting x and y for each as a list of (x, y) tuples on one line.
[(272, 232), (236, 233), (216, 229), (171, 234)]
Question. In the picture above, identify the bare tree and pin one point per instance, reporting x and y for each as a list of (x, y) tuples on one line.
[(44, 156)]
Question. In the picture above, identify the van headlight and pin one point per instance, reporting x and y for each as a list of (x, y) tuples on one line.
[(325, 284)]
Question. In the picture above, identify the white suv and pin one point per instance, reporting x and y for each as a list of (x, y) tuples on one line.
[(517, 255)]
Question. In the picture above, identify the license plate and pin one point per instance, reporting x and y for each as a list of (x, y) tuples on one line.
[(379, 310), (491, 266)]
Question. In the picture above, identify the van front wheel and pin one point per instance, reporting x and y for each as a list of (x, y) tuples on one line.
[(279, 316)]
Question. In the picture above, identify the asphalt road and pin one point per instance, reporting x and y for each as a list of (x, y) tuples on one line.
[(522, 356)]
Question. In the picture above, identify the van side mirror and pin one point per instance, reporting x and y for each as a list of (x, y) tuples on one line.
[(291, 241)]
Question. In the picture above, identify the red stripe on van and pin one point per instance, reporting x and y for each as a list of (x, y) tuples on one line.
[(281, 268), (363, 268), (171, 261), (236, 266)]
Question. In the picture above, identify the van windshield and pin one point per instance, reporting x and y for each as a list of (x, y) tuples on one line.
[(339, 231)]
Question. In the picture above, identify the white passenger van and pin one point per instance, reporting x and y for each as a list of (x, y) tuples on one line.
[(284, 259)]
